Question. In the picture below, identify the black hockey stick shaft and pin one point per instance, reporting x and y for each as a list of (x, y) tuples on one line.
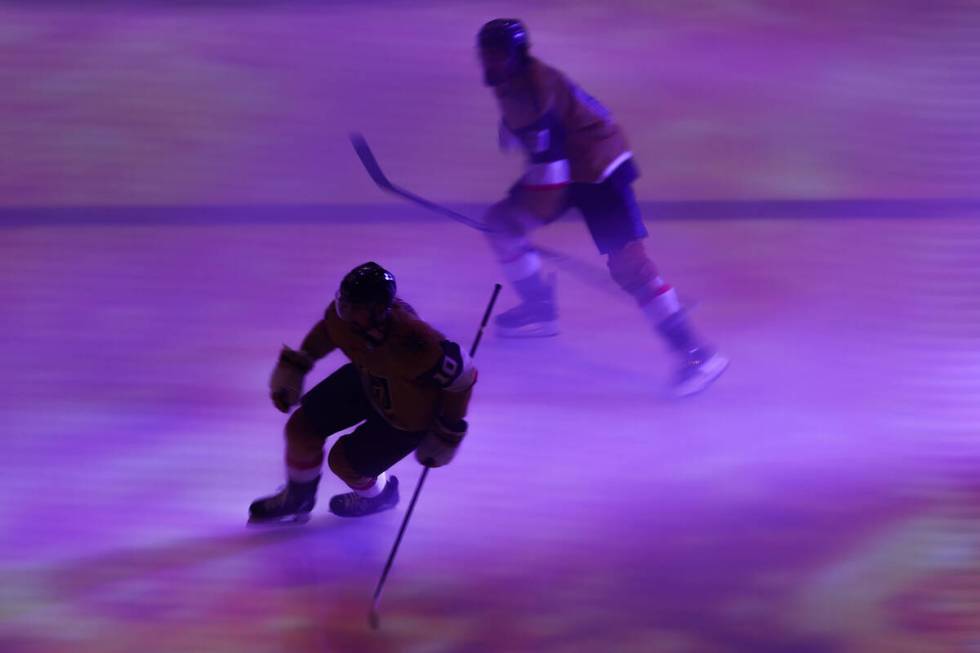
[(374, 618), (486, 318)]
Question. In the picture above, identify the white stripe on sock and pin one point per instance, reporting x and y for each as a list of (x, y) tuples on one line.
[(661, 307), (303, 475), (524, 266), (611, 168), (376, 489)]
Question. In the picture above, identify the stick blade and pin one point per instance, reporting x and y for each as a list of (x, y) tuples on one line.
[(374, 619), (370, 163)]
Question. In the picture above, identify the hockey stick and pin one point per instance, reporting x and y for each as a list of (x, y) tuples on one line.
[(366, 156), (581, 269), (374, 617)]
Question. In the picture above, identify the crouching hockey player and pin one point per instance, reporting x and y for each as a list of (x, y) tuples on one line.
[(406, 387)]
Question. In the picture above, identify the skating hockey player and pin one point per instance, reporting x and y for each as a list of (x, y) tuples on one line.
[(577, 157), (406, 385)]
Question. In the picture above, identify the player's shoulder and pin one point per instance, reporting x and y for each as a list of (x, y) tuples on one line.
[(330, 317), (539, 67), (545, 75), (409, 334)]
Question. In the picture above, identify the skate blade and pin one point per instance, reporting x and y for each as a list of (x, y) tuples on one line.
[(291, 520), (536, 330), (366, 514), (708, 373)]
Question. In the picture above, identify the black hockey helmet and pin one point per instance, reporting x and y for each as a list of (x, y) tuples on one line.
[(508, 34), (368, 284)]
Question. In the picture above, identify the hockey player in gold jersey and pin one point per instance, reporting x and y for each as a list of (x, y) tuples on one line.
[(577, 157), (406, 384)]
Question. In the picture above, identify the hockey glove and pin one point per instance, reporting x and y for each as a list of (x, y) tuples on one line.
[(439, 445), (286, 384)]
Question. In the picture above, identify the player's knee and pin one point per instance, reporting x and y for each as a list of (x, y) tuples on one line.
[(541, 205), (506, 237), (337, 461), (630, 267), (500, 217), (633, 271), (340, 465)]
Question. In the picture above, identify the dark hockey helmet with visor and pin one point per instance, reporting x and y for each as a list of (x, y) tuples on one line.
[(367, 286), (503, 47), (504, 34)]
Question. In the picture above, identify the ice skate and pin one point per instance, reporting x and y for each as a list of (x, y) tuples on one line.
[(352, 504), (535, 317), (700, 368), (292, 503)]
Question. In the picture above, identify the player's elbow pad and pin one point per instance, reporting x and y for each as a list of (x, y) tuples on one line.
[(548, 163), (506, 139), (454, 371), (465, 381)]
